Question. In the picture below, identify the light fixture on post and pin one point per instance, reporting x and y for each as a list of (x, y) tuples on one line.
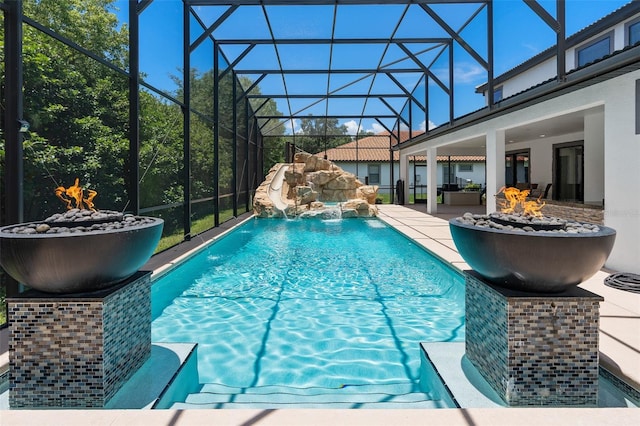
[(24, 126)]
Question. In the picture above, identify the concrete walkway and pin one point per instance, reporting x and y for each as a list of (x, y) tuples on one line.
[(619, 346)]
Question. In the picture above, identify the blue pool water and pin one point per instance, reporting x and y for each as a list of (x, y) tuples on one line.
[(309, 303)]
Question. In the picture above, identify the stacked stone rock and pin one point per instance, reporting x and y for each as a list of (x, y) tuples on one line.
[(578, 213), (310, 182)]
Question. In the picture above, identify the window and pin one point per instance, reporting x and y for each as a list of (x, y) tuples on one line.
[(447, 175), (594, 50), (632, 32), (374, 174), (497, 94), (516, 167), (465, 167)]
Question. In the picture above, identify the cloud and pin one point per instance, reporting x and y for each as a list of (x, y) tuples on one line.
[(463, 73), (292, 126), (468, 73), (352, 127), (376, 128), (432, 125)]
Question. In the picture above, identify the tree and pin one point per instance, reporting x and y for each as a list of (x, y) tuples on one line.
[(161, 136), (79, 114), (318, 134), (272, 129), (77, 107)]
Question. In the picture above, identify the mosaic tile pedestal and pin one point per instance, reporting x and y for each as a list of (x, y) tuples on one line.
[(534, 349), (77, 350)]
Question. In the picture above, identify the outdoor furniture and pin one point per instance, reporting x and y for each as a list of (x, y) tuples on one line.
[(462, 198), (526, 185), (539, 193), (450, 187)]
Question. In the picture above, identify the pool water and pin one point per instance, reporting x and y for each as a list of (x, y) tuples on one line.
[(310, 304)]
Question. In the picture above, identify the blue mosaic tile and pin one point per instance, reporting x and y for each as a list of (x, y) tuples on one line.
[(534, 349), (77, 350)]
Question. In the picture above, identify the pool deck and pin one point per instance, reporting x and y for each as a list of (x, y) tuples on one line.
[(619, 347)]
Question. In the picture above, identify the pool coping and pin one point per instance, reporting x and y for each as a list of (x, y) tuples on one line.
[(153, 380), (464, 385)]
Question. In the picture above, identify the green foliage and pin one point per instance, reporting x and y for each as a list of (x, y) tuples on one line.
[(79, 114), (472, 187), (161, 134), (89, 23), (273, 152), (78, 108), (197, 226), (319, 134)]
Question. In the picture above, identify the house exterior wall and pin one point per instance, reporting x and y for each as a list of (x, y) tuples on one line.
[(593, 155), (533, 76), (548, 69), (475, 176), (541, 162), (542, 152), (621, 177), (361, 170)]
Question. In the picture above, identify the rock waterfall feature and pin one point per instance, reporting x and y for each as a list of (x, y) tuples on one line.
[(313, 187)]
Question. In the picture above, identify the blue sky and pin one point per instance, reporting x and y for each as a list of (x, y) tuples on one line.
[(518, 33)]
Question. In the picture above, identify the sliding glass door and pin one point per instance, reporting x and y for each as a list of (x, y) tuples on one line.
[(568, 175)]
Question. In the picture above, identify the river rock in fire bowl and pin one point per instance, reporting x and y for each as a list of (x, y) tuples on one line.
[(531, 254), (74, 253)]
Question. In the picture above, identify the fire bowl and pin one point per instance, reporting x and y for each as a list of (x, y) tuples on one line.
[(77, 262), (542, 262)]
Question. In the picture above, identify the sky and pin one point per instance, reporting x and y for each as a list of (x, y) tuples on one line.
[(518, 35)]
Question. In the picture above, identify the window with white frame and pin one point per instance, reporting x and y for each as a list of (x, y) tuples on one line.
[(373, 171), (595, 50), (465, 167)]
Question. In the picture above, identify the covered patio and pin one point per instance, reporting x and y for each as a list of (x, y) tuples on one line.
[(597, 116)]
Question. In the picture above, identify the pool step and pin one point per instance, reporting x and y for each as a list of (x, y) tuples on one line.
[(363, 396), (390, 388), (297, 405)]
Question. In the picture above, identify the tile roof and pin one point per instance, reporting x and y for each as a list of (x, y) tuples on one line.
[(375, 148)]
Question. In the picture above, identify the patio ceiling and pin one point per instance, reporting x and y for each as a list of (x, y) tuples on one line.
[(387, 61), (545, 128)]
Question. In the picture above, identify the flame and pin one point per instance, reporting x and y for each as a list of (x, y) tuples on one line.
[(516, 201), (76, 193)]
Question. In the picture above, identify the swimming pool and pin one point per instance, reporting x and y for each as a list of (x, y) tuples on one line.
[(310, 304)]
